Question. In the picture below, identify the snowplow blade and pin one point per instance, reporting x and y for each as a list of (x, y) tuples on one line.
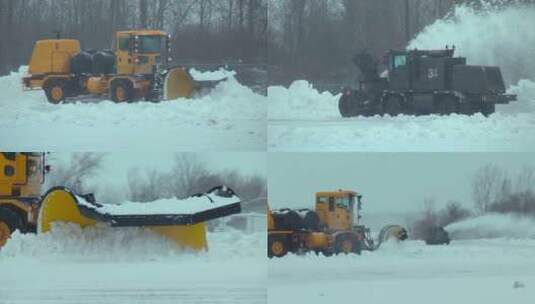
[(182, 221), (178, 83)]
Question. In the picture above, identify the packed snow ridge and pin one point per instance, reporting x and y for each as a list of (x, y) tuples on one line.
[(189, 205)]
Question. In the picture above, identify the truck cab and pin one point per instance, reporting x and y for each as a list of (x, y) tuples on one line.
[(336, 209), (139, 51), (21, 178)]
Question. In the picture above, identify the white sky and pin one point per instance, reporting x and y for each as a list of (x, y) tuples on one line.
[(111, 180), (389, 182)]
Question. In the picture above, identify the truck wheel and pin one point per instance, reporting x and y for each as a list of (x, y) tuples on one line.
[(349, 101), (55, 90), (9, 222), (392, 105), (488, 108), (346, 244), (122, 91), (447, 105), (277, 246)]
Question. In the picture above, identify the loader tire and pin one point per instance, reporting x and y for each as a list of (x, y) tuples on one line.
[(9, 222), (392, 105), (346, 244), (121, 91), (55, 90), (487, 109), (448, 105), (277, 246)]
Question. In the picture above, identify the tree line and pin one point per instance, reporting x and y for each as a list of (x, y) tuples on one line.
[(494, 190), (188, 176), (317, 39), (202, 30)]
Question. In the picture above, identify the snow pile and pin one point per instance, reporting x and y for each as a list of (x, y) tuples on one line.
[(231, 116), (105, 243), (502, 37), (189, 205), (301, 101), (499, 132), (211, 75), (493, 226)]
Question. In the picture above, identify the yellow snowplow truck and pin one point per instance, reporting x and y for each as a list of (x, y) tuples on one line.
[(138, 68), (332, 228), (23, 208)]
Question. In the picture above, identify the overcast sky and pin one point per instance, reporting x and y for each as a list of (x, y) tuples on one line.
[(396, 182), (112, 178)]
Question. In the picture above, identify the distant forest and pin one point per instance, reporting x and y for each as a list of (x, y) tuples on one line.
[(316, 39), (203, 31)]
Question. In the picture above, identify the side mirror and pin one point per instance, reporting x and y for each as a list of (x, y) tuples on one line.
[(47, 168)]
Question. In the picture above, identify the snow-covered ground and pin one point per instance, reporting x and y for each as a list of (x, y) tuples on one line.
[(231, 117), (468, 271), (303, 119), (97, 265), (489, 261)]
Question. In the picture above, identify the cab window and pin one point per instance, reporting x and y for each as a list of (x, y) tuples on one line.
[(400, 61), (123, 43), (345, 202), (9, 155), (323, 200)]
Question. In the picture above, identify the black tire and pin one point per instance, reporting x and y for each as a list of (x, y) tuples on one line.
[(346, 104), (346, 243), (10, 219), (488, 108), (56, 90), (392, 105), (277, 246), (447, 105), (120, 87)]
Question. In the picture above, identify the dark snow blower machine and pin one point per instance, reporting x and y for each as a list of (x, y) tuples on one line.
[(422, 82)]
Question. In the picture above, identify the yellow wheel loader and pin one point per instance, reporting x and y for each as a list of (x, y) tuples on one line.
[(23, 208), (138, 68), (332, 228)]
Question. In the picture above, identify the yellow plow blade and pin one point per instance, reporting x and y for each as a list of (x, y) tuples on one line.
[(178, 83), (60, 205)]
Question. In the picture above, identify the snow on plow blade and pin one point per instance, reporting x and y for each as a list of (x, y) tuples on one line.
[(182, 221), (178, 83)]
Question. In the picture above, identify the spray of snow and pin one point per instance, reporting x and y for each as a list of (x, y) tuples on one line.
[(105, 243), (501, 37), (493, 226)]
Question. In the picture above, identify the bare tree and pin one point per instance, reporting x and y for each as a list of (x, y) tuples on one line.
[(485, 185), (74, 176)]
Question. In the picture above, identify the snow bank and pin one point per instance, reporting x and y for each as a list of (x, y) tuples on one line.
[(103, 243), (176, 206), (228, 100), (493, 226), (229, 117), (494, 37), (301, 101)]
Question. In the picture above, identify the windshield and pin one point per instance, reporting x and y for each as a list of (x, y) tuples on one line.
[(345, 202), (151, 44)]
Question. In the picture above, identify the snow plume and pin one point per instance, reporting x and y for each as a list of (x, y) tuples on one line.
[(103, 243), (490, 36), (493, 226)]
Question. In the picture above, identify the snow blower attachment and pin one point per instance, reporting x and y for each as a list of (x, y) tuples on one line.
[(137, 68), (182, 221), (332, 228)]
